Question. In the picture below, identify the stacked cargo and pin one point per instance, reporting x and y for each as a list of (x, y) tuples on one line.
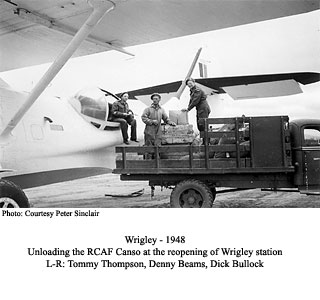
[(182, 133)]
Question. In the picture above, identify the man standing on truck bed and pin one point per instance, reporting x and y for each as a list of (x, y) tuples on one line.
[(152, 117), (198, 99)]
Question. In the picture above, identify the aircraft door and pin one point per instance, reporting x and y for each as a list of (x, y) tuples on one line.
[(311, 156)]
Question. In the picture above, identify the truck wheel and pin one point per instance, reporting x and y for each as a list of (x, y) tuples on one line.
[(191, 193), (12, 196)]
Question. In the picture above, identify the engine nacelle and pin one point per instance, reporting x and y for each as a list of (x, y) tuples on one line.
[(95, 107)]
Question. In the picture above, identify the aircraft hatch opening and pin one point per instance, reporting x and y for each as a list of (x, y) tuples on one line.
[(95, 107)]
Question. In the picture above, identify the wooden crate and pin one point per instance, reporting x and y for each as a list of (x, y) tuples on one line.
[(180, 134), (179, 129), (182, 139)]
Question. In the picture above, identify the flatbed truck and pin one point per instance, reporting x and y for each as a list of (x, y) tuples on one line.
[(251, 152)]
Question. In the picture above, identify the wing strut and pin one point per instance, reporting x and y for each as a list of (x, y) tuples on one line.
[(100, 8)]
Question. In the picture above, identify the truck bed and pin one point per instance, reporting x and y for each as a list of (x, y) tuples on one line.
[(252, 145)]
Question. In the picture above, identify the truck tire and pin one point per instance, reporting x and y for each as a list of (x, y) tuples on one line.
[(191, 193), (12, 196)]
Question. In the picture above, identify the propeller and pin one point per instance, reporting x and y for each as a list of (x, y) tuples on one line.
[(110, 94), (183, 84)]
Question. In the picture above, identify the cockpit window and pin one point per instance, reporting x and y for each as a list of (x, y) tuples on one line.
[(311, 137), (95, 108)]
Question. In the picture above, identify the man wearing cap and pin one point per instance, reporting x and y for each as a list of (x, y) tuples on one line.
[(198, 99), (122, 114), (152, 117)]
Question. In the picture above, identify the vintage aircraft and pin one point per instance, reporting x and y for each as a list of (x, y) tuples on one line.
[(45, 140)]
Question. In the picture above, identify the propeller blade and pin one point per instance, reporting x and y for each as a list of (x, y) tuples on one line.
[(183, 84), (109, 93)]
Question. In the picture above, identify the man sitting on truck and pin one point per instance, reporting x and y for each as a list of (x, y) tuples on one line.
[(152, 117), (122, 114)]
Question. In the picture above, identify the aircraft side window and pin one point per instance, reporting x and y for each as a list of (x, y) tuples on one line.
[(311, 136)]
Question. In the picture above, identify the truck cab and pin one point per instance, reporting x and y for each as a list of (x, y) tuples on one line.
[(305, 141)]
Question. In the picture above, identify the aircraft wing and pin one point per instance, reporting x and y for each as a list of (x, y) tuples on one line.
[(240, 87), (34, 32)]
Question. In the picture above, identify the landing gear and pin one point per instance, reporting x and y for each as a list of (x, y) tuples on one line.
[(12, 196), (191, 193)]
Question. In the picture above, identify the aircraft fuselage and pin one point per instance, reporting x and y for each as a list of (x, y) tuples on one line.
[(52, 137)]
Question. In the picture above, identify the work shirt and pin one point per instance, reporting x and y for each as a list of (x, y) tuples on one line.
[(119, 108), (198, 99), (153, 132)]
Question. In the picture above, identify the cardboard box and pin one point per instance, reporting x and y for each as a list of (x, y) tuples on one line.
[(179, 117)]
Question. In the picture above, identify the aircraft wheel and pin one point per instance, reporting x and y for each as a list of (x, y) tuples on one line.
[(12, 196), (191, 193)]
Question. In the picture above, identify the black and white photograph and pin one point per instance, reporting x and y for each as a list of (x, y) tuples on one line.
[(249, 67), (155, 104)]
